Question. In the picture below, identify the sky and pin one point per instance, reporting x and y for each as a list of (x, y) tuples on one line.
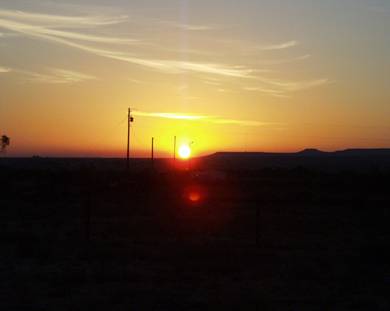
[(221, 75)]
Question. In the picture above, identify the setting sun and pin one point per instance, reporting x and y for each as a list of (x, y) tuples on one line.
[(184, 151)]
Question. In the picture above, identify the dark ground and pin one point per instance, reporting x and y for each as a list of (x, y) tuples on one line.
[(269, 239)]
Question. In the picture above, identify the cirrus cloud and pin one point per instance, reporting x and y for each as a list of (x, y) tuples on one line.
[(5, 69), (202, 118), (168, 66), (279, 46), (61, 20), (46, 27), (56, 76)]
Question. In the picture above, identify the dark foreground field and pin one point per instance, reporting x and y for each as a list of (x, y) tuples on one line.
[(270, 239)]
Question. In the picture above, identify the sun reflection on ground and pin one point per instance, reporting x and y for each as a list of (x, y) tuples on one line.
[(194, 196)]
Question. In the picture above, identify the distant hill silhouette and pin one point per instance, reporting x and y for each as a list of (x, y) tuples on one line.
[(306, 153), (363, 152), (311, 152), (350, 159)]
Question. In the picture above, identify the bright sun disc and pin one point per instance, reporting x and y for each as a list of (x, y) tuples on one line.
[(184, 152)]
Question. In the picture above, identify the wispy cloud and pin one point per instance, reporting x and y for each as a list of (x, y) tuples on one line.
[(168, 115), (285, 61), (46, 27), (282, 89), (292, 86), (279, 46), (136, 81), (186, 51), (241, 122), (222, 90), (194, 27), (57, 76), (33, 30), (174, 66), (188, 27), (201, 118), (167, 66), (268, 91), (5, 69), (7, 35), (60, 20)]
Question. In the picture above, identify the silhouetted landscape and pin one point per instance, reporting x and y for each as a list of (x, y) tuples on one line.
[(302, 231)]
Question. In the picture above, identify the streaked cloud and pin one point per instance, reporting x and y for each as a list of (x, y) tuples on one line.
[(271, 92), (57, 76), (185, 51), (136, 81), (285, 61), (61, 20), (28, 29), (168, 115), (240, 122), (222, 90), (84, 37), (201, 118), (7, 35), (194, 27), (292, 86), (5, 69), (278, 88), (188, 27), (45, 27), (167, 66), (279, 46), (173, 66)]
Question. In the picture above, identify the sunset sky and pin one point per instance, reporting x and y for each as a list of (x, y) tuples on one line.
[(248, 75)]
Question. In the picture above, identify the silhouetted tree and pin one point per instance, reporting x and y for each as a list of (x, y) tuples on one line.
[(5, 142)]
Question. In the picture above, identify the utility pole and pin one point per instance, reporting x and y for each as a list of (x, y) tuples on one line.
[(130, 119), (174, 149), (152, 152)]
